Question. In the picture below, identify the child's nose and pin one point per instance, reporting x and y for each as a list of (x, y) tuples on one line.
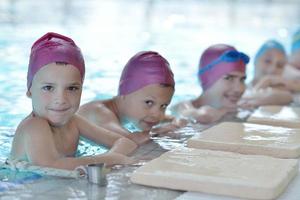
[(60, 97), (274, 70), (156, 113)]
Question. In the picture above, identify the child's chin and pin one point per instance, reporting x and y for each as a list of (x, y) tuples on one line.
[(57, 123)]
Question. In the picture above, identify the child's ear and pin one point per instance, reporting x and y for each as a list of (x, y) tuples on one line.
[(28, 94)]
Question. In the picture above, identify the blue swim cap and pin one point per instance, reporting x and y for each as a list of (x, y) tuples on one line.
[(270, 44), (296, 41)]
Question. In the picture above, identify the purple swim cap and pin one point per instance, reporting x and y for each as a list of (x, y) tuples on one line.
[(219, 60), (145, 68), (53, 47)]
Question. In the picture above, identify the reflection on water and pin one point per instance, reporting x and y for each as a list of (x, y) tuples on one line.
[(6, 135), (178, 137), (88, 148)]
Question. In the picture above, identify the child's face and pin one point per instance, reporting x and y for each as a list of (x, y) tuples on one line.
[(55, 93), (272, 62), (146, 107), (227, 91)]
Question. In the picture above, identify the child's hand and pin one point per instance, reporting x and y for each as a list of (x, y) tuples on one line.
[(248, 103), (169, 128), (208, 114), (118, 159), (163, 129), (139, 138), (271, 81)]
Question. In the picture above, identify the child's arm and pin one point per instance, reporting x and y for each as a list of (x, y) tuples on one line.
[(118, 143), (100, 115), (268, 96), (168, 125), (207, 114), (292, 76), (204, 114), (103, 117), (270, 81), (293, 85), (41, 149)]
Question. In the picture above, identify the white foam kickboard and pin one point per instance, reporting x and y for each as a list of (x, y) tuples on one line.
[(291, 193), (248, 138), (277, 115), (217, 172)]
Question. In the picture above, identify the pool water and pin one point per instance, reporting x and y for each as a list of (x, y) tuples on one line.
[(110, 32), (10, 179)]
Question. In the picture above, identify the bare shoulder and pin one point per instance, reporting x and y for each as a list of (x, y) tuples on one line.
[(29, 128), (32, 124), (98, 111), (93, 107), (88, 107)]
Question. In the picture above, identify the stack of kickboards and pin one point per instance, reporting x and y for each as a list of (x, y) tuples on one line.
[(254, 160)]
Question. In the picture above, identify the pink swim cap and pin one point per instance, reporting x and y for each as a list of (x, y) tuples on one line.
[(54, 47), (145, 68), (219, 60)]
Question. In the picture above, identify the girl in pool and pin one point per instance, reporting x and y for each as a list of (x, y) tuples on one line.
[(146, 88), (222, 75), (49, 135), (268, 86)]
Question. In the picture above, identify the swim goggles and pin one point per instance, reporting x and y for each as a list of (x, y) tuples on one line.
[(227, 56)]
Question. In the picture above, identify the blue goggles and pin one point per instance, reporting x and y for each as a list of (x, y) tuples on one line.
[(227, 56)]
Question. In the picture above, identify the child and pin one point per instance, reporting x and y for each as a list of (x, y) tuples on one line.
[(269, 61), (49, 135), (146, 88), (268, 86), (222, 74)]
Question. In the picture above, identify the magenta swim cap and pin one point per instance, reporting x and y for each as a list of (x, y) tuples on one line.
[(53, 47), (145, 68), (219, 60)]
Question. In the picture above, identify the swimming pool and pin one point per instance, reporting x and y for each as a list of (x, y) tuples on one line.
[(110, 32)]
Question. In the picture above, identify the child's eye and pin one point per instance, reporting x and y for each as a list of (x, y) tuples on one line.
[(164, 106), (73, 88), (47, 88), (268, 61), (229, 78), (149, 102)]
